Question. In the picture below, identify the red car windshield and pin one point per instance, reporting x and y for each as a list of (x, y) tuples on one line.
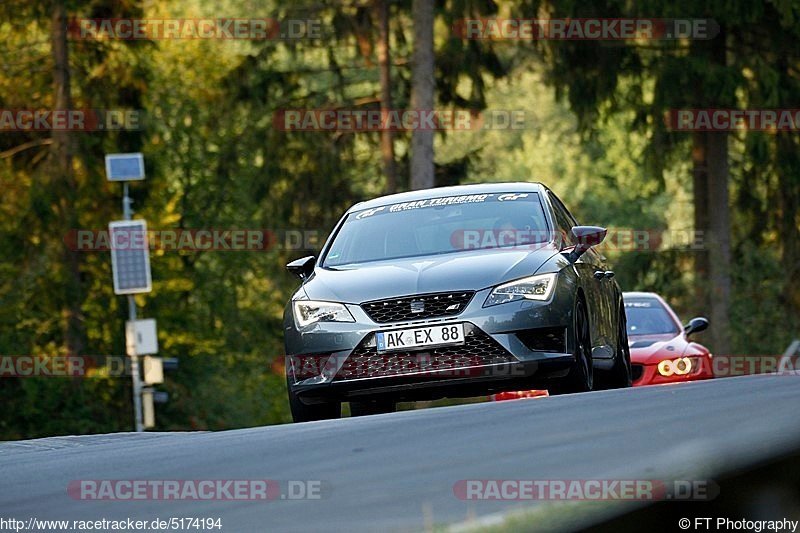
[(647, 316)]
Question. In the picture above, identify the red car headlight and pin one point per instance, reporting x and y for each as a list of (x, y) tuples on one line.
[(678, 367)]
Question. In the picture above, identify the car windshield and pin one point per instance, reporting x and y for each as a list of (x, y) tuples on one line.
[(647, 316), (438, 226)]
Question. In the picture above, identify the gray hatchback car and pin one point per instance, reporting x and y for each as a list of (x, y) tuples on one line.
[(452, 292)]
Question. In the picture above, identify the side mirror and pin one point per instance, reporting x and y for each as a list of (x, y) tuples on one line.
[(696, 325), (303, 267), (585, 237)]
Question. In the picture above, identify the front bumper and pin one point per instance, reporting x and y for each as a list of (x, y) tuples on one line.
[(508, 346), (648, 374)]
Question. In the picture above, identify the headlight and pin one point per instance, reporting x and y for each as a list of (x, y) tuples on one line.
[(679, 367), (683, 366), (532, 288), (308, 311)]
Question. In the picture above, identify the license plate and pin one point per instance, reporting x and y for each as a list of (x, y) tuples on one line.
[(404, 339)]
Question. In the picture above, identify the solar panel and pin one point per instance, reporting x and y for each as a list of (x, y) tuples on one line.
[(130, 256), (125, 167)]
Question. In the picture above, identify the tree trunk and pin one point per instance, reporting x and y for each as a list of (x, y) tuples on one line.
[(64, 183), (787, 164), (719, 219), (712, 218), (422, 92), (712, 202), (719, 240), (384, 66), (700, 202)]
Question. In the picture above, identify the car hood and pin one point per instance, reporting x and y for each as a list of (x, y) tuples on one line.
[(468, 270), (650, 349)]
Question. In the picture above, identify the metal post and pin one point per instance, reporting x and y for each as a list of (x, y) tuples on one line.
[(137, 383)]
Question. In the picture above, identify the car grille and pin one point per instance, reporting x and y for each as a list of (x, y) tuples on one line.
[(636, 372), (478, 350), (417, 307)]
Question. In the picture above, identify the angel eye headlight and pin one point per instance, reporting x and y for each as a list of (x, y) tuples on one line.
[(682, 366), (665, 368), (307, 312), (678, 367), (531, 288)]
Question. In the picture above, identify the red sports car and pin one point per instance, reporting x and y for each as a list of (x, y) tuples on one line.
[(661, 350)]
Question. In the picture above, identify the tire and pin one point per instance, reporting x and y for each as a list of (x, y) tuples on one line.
[(308, 413), (581, 374), (620, 374), (372, 407)]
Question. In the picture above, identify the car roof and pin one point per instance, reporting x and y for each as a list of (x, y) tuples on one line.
[(635, 294), (457, 190)]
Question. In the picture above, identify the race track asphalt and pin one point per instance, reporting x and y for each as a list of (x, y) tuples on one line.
[(397, 471)]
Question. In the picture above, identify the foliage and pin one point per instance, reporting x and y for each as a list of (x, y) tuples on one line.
[(215, 160)]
